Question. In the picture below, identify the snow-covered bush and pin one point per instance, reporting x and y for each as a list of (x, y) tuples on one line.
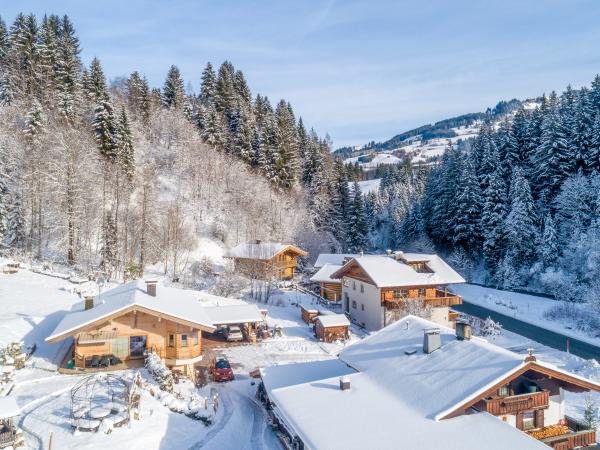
[(229, 284), (580, 319), (160, 372), (483, 327)]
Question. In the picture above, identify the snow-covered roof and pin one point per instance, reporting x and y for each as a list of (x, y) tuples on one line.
[(233, 314), (416, 390), (332, 258), (324, 274), (386, 271), (260, 250), (179, 303), (275, 377), (8, 407), (333, 320)]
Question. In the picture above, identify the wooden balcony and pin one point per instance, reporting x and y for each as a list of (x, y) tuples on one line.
[(572, 440), (441, 298), (516, 403)]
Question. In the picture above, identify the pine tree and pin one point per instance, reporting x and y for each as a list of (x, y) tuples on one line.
[(173, 91), (492, 220), (340, 213), (467, 232), (208, 86), (14, 236), (105, 129), (68, 68), (553, 159), (109, 244), (550, 249), (213, 133), (358, 226), (520, 224), (24, 55), (287, 145), (124, 142), (583, 132)]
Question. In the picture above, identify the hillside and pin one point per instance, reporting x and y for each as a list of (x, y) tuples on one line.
[(428, 141)]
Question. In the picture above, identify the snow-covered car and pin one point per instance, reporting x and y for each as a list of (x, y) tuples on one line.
[(234, 333), (221, 370)]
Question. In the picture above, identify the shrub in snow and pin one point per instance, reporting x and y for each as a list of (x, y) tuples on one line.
[(481, 327), (580, 319), (160, 372), (229, 284)]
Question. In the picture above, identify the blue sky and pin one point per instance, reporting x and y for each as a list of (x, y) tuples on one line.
[(360, 71)]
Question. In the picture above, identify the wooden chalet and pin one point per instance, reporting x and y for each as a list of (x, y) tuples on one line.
[(266, 260), (373, 287), (125, 323), (453, 389)]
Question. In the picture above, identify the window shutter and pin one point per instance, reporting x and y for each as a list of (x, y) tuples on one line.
[(519, 421)]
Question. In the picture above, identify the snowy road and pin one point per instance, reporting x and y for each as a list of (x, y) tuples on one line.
[(239, 405)]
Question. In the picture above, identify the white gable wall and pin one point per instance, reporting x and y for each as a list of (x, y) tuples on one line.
[(372, 315)]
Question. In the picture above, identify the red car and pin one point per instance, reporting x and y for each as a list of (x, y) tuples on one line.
[(221, 370)]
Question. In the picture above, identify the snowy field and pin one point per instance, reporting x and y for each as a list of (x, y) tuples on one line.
[(368, 185), (528, 308), (32, 304)]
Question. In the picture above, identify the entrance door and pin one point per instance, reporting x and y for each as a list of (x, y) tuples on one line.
[(137, 345)]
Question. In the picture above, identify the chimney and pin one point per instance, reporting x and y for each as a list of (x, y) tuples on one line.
[(431, 340), (345, 384), (530, 357), (389, 252), (463, 331), (151, 288), (89, 301), (398, 255)]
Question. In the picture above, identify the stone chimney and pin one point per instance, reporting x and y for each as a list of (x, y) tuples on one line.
[(89, 301), (389, 252), (463, 331), (399, 255), (151, 288), (431, 340), (345, 384)]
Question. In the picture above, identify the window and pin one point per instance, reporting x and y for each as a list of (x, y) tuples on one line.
[(346, 282), (503, 391), (184, 340), (421, 292), (362, 306), (362, 287), (354, 304), (404, 292), (354, 285), (196, 338), (171, 340), (528, 420)]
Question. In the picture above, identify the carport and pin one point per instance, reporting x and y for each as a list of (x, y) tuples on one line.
[(248, 317)]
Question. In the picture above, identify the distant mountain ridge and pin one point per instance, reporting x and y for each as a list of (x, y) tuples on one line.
[(443, 129)]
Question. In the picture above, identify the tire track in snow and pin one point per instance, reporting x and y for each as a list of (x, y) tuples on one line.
[(227, 413)]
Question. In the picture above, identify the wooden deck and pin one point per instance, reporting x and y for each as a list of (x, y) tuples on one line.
[(571, 440)]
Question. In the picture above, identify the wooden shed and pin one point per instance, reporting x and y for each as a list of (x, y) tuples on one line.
[(332, 327), (308, 314)]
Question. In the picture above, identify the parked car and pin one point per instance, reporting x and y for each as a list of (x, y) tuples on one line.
[(234, 333), (221, 370)]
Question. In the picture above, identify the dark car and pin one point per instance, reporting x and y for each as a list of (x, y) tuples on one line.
[(221, 370)]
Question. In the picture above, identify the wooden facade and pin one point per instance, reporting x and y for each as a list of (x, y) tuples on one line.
[(308, 315), (331, 291), (330, 334), (281, 266), (430, 295), (130, 335)]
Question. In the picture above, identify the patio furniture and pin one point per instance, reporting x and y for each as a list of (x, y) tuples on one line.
[(105, 361), (95, 361)]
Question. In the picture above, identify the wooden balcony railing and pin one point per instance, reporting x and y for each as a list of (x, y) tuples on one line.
[(571, 440), (516, 403), (441, 298)]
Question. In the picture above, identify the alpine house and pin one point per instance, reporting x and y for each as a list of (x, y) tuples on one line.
[(414, 385)]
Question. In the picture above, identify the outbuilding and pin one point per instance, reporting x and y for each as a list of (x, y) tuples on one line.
[(332, 327)]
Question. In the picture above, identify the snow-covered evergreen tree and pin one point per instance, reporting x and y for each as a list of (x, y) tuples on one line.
[(550, 249), (467, 231), (173, 94), (358, 226)]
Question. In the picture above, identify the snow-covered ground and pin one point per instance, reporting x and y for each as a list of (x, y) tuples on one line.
[(527, 308), (31, 305), (368, 185)]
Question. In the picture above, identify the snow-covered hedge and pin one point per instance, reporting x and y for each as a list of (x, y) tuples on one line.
[(160, 372)]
